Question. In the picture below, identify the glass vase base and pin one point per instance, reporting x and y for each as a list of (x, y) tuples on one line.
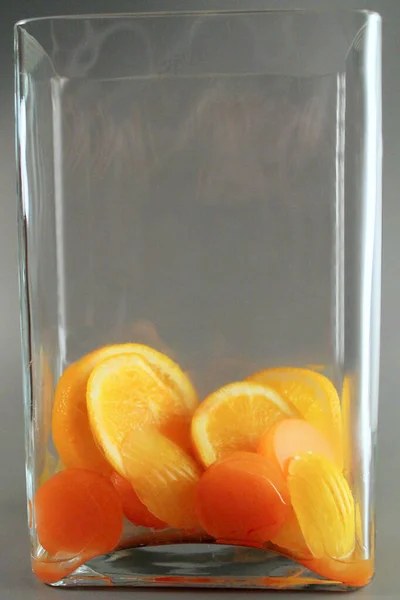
[(198, 565)]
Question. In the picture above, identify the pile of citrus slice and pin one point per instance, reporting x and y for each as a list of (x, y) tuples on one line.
[(258, 462)]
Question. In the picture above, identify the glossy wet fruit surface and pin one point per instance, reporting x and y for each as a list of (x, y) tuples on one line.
[(290, 438), (242, 499), (324, 506), (124, 394), (256, 463), (72, 432), (314, 397), (78, 512), (290, 538), (234, 418)]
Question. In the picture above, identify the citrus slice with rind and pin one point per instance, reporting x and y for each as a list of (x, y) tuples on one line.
[(234, 418), (163, 476), (314, 397), (71, 431), (169, 372), (124, 393), (324, 506)]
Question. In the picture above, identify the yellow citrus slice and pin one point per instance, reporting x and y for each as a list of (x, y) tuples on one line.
[(324, 506), (71, 431), (291, 540), (313, 395), (234, 418), (125, 393), (169, 372), (163, 475)]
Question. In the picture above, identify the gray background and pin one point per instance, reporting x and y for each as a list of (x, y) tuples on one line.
[(15, 577)]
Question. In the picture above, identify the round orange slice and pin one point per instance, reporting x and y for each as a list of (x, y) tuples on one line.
[(124, 393), (163, 476), (78, 511), (324, 506), (71, 431), (315, 398), (234, 418)]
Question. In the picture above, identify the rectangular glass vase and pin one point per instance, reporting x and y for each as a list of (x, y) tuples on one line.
[(199, 211)]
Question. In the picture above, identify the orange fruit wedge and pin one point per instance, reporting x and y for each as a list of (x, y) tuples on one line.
[(72, 435), (314, 397), (163, 476), (234, 418), (324, 506), (125, 393)]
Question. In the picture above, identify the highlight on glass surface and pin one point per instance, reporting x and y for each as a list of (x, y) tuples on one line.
[(199, 231)]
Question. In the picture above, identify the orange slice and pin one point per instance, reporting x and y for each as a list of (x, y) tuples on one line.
[(291, 540), (78, 511), (324, 506), (70, 423), (234, 418), (283, 442), (242, 499), (313, 395), (125, 393), (134, 510), (290, 438), (163, 475)]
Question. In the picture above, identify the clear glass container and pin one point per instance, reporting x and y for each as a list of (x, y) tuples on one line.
[(200, 233)]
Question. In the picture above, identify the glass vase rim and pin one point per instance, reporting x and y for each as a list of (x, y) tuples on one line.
[(142, 14)]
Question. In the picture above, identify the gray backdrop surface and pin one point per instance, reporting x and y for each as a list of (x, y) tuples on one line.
[(16, 580)]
